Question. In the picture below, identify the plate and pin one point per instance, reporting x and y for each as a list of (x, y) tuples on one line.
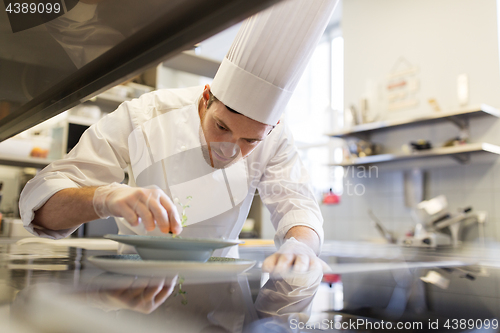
[(132, 264), (170, 248)]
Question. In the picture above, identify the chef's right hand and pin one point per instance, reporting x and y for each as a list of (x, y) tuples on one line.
[(149, 206), (140, 294)]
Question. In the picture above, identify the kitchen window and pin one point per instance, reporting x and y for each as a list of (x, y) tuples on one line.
[(316, 108)]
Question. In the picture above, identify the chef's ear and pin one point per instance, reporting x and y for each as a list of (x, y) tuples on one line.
[(206, 92)]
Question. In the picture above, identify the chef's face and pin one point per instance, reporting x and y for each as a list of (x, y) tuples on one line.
[(229, 135)]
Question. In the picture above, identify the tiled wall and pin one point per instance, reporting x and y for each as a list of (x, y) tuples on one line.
[(476, 184)]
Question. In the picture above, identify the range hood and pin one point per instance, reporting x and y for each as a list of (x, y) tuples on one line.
[(68, 57)]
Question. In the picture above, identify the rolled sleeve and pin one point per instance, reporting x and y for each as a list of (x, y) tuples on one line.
[(99, 158), (35, 195)]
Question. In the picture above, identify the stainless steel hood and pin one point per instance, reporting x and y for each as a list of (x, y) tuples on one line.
[(67, 59)]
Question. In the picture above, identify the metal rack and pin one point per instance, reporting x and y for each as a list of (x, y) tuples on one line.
[(460, 118), (461, 153)]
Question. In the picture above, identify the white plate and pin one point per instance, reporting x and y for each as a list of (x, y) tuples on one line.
[(173, 248), (132, 264)]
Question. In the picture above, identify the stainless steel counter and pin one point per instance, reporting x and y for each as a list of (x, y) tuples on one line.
[(54, 288)]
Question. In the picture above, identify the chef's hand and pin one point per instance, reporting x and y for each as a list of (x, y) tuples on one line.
[(293, 257), (149, 206), (295, 275), (143, 295)]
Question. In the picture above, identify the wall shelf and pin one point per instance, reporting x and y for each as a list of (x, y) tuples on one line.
[(460, 152), (188, 61), (482, 109), (109, 99)]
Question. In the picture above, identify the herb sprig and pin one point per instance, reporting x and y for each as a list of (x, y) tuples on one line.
[(181, 292), (185, 206)]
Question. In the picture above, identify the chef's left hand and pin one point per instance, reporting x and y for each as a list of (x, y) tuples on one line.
[(293, 257)]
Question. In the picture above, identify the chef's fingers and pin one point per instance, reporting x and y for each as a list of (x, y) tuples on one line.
[(301, 263), (269, 263), (133, 296), (172, 282), (129, 215), (154, 287), (165, 292), (152, 290), (146, 217), (150, 304), (173, 216), (159, 213), (141, 294), (284, 263), (116, 293), (162, 296), (316, 265)]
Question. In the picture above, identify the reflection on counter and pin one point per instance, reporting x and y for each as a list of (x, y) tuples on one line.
[(49, 288), (55, 288)]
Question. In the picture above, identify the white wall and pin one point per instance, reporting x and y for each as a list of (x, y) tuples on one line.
[(444, 38)]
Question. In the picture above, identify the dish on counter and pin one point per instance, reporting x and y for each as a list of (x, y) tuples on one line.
[(132, 264), (173, 248)]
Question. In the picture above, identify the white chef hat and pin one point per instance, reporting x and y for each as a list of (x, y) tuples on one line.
[(268, 56)]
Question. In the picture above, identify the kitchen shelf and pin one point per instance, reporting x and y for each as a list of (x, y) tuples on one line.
[(24, 162), (189, 62), (461, 152), (112, 99), (109, 99), (481, 109)]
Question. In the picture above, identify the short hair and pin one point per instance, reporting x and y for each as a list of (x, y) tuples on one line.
[(212, 99)]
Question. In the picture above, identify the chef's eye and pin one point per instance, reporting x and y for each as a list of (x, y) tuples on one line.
[(219, 126), (250, 141)]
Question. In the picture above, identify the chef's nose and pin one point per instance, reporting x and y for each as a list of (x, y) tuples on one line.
[(229, 149)]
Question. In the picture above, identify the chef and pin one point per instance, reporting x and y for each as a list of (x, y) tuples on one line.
[(198, 155)]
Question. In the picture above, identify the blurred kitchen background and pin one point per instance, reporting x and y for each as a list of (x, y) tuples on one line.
[(397, 106)]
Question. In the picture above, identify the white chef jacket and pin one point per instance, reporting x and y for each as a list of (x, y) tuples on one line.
[(157, 140)]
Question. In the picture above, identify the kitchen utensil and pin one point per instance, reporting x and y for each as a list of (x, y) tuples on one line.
[(362, 148), (389, 237), (421, 145)]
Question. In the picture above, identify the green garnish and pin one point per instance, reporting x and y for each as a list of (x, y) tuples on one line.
[(184, 216), (181, 292), (184, 207)]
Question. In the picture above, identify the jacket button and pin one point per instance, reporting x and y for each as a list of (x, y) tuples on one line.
[(183, 148)]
